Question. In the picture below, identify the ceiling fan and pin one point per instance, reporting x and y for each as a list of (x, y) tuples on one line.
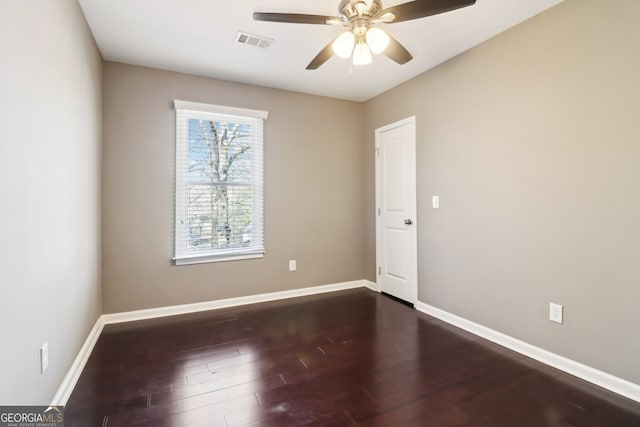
[(362, 37)]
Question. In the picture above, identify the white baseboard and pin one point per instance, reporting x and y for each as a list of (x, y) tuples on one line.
[(587, 373), (173, 310), (69, 382), (371, 285)]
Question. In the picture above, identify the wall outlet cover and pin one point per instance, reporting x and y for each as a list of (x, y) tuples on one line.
[(555, 312), (44, 357)]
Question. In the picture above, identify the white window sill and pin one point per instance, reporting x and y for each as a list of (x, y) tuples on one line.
[(203, 259)]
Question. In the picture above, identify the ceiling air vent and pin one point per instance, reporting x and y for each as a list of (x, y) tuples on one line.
[(253, 40)]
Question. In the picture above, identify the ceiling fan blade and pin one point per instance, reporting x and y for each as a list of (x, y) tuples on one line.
[(322, 57), (421, 8), (397, 52), (293, 18)]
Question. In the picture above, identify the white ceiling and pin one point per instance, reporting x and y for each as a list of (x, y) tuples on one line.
[(197, 37)]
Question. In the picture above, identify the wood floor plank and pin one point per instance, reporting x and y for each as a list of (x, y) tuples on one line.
[(341, 359)]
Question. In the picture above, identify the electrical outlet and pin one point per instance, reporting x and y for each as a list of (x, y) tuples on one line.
[(44, 357), (292, 265), (555, 312)]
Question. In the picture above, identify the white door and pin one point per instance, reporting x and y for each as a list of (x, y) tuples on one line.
[(396, 228)]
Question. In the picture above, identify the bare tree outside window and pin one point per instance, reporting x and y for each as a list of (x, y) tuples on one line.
[(220, 188)]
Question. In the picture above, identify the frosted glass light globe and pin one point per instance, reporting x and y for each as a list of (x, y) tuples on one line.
[(377, 40), (343, 45), (361, 54)]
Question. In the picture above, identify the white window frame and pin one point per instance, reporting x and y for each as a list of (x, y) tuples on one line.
[(184, 111)]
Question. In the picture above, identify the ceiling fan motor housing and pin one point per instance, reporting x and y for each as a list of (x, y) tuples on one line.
[(350, 9)]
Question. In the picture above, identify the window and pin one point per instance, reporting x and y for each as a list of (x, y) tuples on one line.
[(219, 185)]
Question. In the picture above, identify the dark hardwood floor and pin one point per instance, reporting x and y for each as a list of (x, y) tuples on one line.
[(339, 359)]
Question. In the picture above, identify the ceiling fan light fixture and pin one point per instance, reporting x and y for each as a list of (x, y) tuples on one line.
[(361, 53), (343, 45), (377, 40), (359, 17)]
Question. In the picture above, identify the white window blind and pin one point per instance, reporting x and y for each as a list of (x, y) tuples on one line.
[(219, 183)]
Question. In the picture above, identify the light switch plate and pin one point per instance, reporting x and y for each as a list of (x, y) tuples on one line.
[(435, 202)]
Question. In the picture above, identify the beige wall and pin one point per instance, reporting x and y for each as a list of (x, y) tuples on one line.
[(50, 104), (532, 141), (313, 191)]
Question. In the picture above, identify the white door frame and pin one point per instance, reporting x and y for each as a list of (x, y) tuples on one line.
[(378, 184)]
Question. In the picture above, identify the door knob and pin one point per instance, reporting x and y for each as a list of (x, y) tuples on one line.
[(408, 222)]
